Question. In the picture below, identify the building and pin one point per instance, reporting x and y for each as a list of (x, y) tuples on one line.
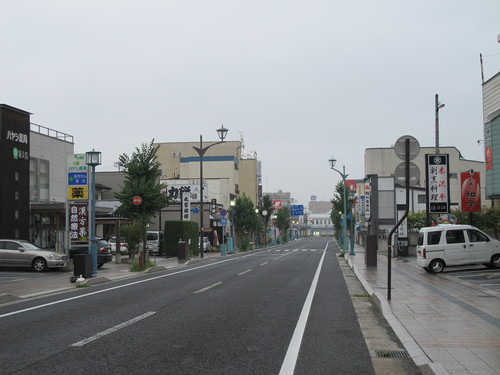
[(491, 120)]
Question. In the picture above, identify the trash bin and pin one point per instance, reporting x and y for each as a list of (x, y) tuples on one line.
[(371, 250), (182, 251), (82, 265)]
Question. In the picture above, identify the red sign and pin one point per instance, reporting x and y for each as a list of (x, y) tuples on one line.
[(488, 156), (350, 185), (276, 205), (137, 200), (471, 191)]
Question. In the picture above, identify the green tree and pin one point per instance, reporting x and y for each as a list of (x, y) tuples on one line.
[(142, 173), (244, 220), (267, 206), (283, 222), (338, 209)]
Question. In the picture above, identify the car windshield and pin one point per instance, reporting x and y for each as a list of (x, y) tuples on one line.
[(152, 236), (29, 245)]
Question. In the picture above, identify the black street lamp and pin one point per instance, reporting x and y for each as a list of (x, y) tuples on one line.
[(344, 175), (222, 132)]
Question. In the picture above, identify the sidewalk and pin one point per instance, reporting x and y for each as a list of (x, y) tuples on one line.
[(56, 281), (448, 326)]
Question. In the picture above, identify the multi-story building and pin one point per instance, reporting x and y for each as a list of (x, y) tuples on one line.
[(491, 120), (33, 178)]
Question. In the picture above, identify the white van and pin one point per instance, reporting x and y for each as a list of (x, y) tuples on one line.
[(455, 245), (154, 241)]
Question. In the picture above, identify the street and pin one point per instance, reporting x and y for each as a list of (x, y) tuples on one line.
[(277, 311)]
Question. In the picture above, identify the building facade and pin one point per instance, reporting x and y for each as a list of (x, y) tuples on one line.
[(491, 120)]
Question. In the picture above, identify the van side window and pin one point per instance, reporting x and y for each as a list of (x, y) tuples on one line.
[(455, 236), (433, 238), (477, 236)]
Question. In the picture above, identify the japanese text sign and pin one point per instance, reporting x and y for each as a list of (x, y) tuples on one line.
[(471, 191), (437, 184)]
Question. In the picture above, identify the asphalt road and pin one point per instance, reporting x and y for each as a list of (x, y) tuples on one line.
[(281, 311)]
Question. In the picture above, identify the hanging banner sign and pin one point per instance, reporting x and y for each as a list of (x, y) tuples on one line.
[(437, 183), (471, 191)]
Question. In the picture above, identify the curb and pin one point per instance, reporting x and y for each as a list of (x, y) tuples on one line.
[(4, 298), (421, 360)]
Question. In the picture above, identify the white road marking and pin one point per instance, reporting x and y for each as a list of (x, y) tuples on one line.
[(208, 287), (263, 264), (112, 329), (244, 272), (288, 366), (117, 287)]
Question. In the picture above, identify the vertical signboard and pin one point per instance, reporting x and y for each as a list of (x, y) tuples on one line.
[(14, 173), (78, 221), (77, 178), (186, 206), (471, 191), (437, 183)]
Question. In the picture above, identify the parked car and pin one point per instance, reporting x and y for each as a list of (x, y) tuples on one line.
[(104, 254), (154, 241), (455, 245), (207, 246), (123, 246), (24, 254)]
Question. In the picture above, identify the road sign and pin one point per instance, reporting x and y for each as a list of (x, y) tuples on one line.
[(400, 147), (223, 212), (296, 210), (223, 222), (137, 200)]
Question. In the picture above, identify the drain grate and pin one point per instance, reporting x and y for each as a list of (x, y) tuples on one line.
[(392, 354)]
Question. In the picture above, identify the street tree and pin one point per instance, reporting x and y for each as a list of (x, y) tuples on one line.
[(283, 220), (338, 209), (268, 207), (142, 174), (244, 220)]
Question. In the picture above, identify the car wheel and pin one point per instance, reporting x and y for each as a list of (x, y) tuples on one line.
[(495, 261), (427, 269), (39, 264), (436, 266)]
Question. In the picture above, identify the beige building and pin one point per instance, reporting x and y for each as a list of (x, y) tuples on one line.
[(180, 165)]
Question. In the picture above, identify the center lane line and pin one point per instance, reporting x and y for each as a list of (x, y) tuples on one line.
[(244, 272), (208, 287), (112, 329)]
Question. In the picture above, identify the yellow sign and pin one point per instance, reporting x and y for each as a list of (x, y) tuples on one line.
[(78, 192)]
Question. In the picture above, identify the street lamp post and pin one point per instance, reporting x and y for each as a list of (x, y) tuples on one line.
[(93, 159), (222, 132), (344, 218)]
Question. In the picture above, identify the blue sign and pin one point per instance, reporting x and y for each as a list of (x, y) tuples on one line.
[(223, 212), (77, 178), (223, 222), (297, 210), (195, 210)]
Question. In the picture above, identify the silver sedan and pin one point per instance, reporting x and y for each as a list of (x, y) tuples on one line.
[(23, 254)]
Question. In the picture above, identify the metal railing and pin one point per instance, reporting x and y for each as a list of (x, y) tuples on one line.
[(40, 129)]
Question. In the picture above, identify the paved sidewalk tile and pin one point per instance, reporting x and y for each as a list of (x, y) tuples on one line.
[(456, 325)]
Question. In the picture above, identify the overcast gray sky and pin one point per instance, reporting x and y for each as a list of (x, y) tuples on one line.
[(301, 81)]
